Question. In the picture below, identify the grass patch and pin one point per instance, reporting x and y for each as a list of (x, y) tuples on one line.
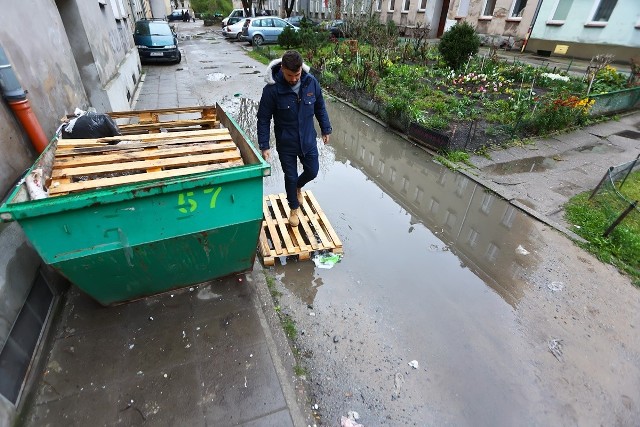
[(271, 284), (289, 327), (299, 371), (621, 247), (451, 159)]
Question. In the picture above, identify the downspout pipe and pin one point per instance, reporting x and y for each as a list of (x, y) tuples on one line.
[(16, 97)]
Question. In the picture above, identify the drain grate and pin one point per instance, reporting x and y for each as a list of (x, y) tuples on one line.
[(631, 134)]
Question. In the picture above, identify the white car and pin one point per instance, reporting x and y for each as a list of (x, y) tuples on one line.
[(234, 30)]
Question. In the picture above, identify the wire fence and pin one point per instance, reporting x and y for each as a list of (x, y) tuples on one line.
[(611, 196), (614, 102)]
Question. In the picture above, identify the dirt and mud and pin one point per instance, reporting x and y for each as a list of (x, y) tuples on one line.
[(509, 321)]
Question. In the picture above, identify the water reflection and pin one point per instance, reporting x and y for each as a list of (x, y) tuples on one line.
[(484, 232)]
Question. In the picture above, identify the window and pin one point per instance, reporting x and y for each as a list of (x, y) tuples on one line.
[(518, 8), (508, 217), (487, 201), (405, 5), (393, 175), (492, 252), (434, 206), (603, 10), (463, 8), (381, 168), (423, 5), (417, 198), (379, 5), (489, 6), (562, 10), (473, 238), (392, 5)]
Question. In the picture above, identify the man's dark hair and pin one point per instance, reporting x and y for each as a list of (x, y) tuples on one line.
[(292, 60)]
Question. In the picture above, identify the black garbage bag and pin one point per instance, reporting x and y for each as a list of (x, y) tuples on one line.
[(90, 125)]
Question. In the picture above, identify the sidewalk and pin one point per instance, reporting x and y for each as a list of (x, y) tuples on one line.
[(540, 178), (208, 355)]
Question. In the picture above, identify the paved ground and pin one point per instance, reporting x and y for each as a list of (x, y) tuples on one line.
[(215, 354), (210, 355)]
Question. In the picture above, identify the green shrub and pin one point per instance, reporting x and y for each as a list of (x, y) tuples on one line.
[(289, 38), (458, 44)]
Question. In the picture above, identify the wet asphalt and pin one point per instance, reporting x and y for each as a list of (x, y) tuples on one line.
[(215, 354)]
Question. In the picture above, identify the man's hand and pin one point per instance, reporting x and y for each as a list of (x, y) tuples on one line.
[(266, 154), (325, 139)]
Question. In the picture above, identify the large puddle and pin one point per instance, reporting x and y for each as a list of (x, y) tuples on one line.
[(433, 265)]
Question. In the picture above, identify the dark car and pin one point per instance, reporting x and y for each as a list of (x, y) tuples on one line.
[(337, 29), (177, 15), (301, 20), (156, 41)]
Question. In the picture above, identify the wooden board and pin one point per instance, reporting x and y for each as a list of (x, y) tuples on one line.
[(279, 239), (84, 164), (152, 121)]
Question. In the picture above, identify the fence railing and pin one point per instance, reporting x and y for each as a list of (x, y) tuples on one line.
[(611, 185), (613, 102)]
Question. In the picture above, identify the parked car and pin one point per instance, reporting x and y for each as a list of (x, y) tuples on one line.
[(177, 15), (156, 41), (239, 13), (264, 30), (337, 28), (298, 20), (233, 30)]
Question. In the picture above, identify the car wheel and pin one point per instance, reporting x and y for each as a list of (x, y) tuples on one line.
[(258, 40), (179, 57)]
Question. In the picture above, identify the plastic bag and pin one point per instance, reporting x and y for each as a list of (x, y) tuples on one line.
[(90, 125)]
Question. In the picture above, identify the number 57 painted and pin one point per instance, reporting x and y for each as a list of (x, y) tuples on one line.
[(187, 202)]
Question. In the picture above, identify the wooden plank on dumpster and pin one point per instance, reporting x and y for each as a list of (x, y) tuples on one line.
[(171, 162), (148, 137), (56, 188), (143, 153)]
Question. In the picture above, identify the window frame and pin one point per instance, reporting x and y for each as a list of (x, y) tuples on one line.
[(458, 15), (392, 6), (511, 17), (594, 10), (551, 20), (483, 16), (406, 6), (378, 5), (420, 8)]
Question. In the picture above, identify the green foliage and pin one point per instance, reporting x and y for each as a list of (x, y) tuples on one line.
[(458, 44), (592, 218), (289, 38), (212, 7), (608, 80)]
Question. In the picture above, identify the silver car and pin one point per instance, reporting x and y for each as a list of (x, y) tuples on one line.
[(264, 30), (233, 31)]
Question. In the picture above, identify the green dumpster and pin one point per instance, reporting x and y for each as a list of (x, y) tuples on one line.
[(123, 242)]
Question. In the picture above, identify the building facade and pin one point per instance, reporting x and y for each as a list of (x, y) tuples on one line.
[(65, 54), (501, 23), (585, 28)]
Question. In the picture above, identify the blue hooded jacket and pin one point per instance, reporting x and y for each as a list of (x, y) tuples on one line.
[(292, 113)]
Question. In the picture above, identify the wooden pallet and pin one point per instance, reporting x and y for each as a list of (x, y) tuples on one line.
[(84, 164), (152, 121), (278, 238)]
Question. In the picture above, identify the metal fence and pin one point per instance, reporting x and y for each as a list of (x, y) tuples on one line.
[(613, 102), (612, 195)]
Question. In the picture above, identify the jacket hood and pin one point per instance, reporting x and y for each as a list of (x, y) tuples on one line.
[(273, 68)]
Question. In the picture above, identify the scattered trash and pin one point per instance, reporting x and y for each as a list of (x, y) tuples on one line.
[(348, 422), (336, 338), (150, 318), (315, 406), (251, 355), (577, 226), (555, 347), (312, 314), (190, 289), (555, 286), (327, 260), (414, 364), (165, 375), (131, 346), (398, 380), (522, 251), (245, 382), (35, 185), (353, 415)]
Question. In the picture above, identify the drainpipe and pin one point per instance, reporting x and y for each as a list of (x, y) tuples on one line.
[(16, 97), (533, 22)]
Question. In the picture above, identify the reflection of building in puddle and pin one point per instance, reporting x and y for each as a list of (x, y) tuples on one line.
[(300, 279), (485, 232)]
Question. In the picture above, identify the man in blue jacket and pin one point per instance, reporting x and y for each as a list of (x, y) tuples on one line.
[(292, 97)]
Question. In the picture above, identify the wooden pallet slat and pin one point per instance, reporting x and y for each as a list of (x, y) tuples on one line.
[(58, 189), (314, 228), (171, 162)]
